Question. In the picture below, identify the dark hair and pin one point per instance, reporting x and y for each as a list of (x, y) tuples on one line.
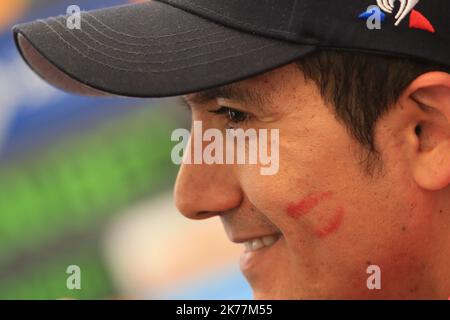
[(362, 87)]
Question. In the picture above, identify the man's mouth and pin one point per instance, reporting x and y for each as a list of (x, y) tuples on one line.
[(258, 251), (261, 242)]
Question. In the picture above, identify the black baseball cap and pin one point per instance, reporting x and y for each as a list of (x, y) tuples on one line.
[(174, 47)]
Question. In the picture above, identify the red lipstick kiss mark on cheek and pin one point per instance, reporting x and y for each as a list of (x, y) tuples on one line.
[(296, 210), (306, 205), (334, 224)]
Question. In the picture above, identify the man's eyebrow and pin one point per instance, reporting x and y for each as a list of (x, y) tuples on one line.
[(231, 92)]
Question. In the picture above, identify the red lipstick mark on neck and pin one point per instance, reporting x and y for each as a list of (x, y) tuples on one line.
[(334, 224), (305, 205)]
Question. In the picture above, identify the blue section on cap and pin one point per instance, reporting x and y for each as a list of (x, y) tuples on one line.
[(367, 14)]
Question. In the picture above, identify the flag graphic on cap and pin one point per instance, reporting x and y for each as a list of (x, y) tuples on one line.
[(416, 19)]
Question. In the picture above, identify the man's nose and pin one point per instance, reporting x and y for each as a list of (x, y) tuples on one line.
[(203, 191)]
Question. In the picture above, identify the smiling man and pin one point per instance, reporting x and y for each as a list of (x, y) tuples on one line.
[(363, 115)]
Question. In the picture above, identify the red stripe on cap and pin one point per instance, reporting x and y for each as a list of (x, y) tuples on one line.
[(418, 21)]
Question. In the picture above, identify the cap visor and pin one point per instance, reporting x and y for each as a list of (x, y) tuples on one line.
[(149, 49)]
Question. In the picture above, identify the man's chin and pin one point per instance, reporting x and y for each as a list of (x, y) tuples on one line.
[(262, 269)]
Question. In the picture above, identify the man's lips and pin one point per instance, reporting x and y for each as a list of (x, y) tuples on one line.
[(240, 238)]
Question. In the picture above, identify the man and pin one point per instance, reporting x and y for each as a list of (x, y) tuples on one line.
[(360, 96)]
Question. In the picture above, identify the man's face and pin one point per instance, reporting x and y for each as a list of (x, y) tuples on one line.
[(330, 217)]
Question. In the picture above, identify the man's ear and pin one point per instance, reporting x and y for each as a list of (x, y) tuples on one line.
[(430, 150)]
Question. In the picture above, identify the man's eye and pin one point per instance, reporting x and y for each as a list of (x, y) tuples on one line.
[(234, 116)]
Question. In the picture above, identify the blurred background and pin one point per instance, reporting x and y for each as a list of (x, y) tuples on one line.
[(87, 182)]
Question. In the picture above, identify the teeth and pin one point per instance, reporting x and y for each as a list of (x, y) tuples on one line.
[(259, 243), (269, 240)]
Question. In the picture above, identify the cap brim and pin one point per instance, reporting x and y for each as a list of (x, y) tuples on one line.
[(149, 49)]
